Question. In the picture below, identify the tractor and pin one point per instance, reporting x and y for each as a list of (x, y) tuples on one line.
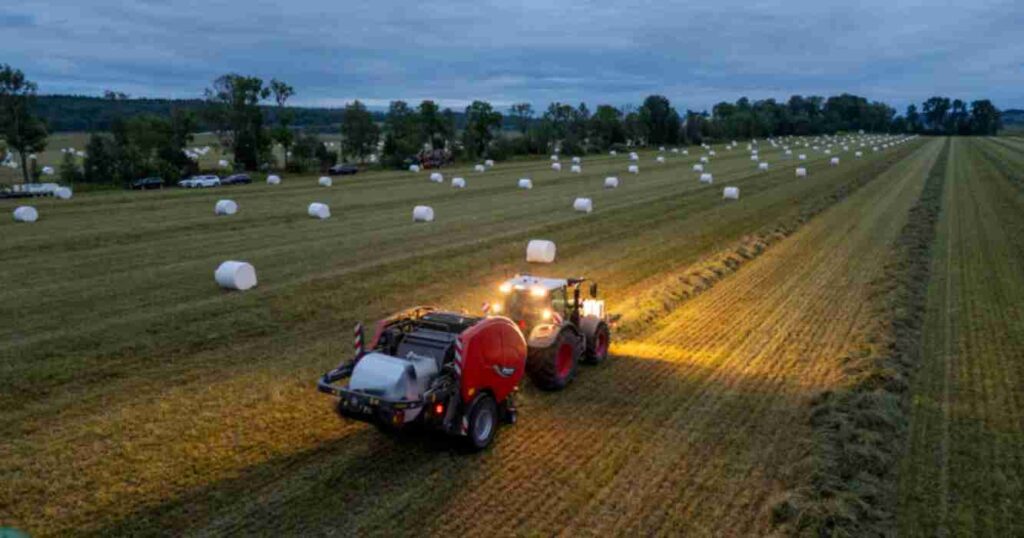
[(458, 373), (561, 330)]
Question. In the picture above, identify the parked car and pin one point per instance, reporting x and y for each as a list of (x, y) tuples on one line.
[(197, 182), (343, 170), (147, 183), (236, 179)]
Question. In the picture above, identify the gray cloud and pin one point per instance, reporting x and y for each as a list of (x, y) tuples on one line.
[(538, 51)]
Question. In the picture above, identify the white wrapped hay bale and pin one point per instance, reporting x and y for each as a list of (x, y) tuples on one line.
[(789, 152), (858, 154), (611, 182), (633, 169), (48, 170), (554, 158), (223, 164), (489, 163), (225, 207), (801, 172), (754, 158), (698, 168), (540, 251), (273, 180), (762, 166), (633, 156), (802, 157), (706, 177), (414, 168), (422, 213), (577, 160), (583, 205), (576, 169), (319, 211), (704, 159), (686, 152), (437, 177), (731, 193), (458, 183), (325, 181), (712, 153), (834, 161), (660, 159), (479, 168), (235, 275), (675, 150), (63, 193), (25, 213), (525, 183), (661, 148), (613, 153), (557, 167)]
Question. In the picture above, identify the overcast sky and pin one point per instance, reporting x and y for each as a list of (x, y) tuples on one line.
[(614, 51)]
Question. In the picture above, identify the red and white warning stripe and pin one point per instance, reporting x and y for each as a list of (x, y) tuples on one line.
[(556, 318), (486, 307), (458, 356), (357, 340)]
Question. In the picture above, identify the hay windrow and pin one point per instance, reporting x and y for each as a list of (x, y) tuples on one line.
[(860, 428)]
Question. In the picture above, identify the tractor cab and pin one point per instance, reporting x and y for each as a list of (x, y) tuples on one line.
[(533, 302)]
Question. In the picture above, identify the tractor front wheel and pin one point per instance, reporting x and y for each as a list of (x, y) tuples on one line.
[(554, 367), (483, 422)]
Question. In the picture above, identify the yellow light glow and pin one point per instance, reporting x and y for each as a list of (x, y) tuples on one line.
[(538, 291), (496, 308), (505, 288), (546, 314)]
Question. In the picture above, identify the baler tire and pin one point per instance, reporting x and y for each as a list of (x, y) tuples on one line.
[(597, 347), (543, 364), (483, 422)]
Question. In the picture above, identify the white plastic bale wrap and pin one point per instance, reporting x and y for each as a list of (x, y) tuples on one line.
[(633, 156), (707, 178), (576, 169), (789, 152), (859, 154), (437, 177), (222, 163), (414, 168), (576, 160), (634, 169), (554, 158), (225, 207), (422, 213), (540, 251), (479, 168), (712, 153), (698, 168), (48, 170), (326, 181), (755, 158), (319, 211), (459, 183), (660, 159), (525, 183), (64, 193), (801, 172), (613, 153), (273, 180), (762, 166), (611, 182), (703, 159), (686, 152), (25, 213), (834, 161), (661, 148), (731, 193), (235, 275), (405, 378), (583, 205), (802, 157), (557, 167), (489, 163)]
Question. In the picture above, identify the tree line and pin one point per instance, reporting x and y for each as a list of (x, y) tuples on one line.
[(250, 116)]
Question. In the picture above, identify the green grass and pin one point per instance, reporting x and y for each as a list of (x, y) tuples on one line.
[(139, 397)]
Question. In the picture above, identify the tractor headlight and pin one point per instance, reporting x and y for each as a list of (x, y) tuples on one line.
[(546, 314), (538, 291), (496, 308), (505, 288)]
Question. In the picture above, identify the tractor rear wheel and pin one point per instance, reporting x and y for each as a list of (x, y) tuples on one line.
[(597, 347), (554, 367), (483, 422)]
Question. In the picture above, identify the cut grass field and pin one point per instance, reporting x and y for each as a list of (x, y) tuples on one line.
[(140, 399), (963, 472)]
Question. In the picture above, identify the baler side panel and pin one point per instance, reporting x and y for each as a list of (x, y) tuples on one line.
[(494, 359)]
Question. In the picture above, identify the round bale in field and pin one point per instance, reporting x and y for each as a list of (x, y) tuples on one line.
[(479, 168), (557, 167), (660, 158), (63, 193), (414, 168), (554, 158), (437, 177), (731, 193), (540, 251), (698, 168), (25, 213), (576, 169), (489, 163), (611, 182), (319, 211), (707, 178), (634, 169), (583, 205), (422, 213), (273, 179), (762, 166), (235, 275), (525, 183), (225, 207), (801, 172), (834, 161), (458, 183), (325, 181)]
